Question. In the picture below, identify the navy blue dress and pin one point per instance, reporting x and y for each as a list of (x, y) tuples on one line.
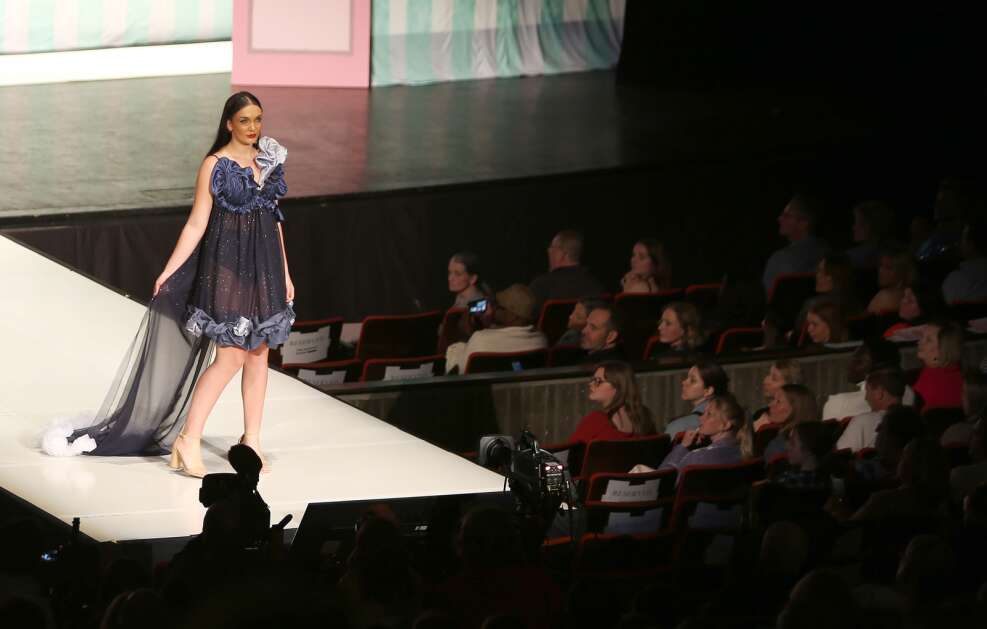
[(229, 293)]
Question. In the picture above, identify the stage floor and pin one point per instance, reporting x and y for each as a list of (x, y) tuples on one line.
[(136, 144), (64, 336)]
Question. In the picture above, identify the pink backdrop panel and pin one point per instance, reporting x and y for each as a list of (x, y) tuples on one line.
[(304, 43)]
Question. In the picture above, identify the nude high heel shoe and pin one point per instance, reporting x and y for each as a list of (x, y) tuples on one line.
[(264, 468), (187, 458)]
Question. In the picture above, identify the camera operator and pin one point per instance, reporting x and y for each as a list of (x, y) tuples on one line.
[(236, 526), (506, 325)]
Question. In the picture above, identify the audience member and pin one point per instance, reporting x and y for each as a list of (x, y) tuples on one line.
[(920, 302), (974, 409), (650, 269), (680, 329), (825, 322), (141, 608), (723, 437), (464, 279), (923, 475), (940, 381), (834, 279), (495, 580), (894, 274), (969, 281), (781, 372), (971, 539), (796, 224), (577, 320), (703, 381), (622, 414), (883, 389), (954, 199), (900, 425), (963, 479), (925, 579), (792, 404), (565, 279), (509, 317), (873, 354), (379, 587), (820, 600), (601, 336), (806, 447), (873, 228)]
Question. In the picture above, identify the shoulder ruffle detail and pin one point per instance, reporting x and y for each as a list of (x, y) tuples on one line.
[(244, 333), (270, 157)]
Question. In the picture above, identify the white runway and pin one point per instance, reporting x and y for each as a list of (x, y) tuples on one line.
[(64, 336)]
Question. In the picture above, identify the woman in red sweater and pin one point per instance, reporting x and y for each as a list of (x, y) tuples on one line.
[(940, 382), (621, 415)]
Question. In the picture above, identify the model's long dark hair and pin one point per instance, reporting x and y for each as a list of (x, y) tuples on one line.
[(233, 104)]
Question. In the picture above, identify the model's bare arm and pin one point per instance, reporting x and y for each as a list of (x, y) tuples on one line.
[(195, 226), (284, 256)]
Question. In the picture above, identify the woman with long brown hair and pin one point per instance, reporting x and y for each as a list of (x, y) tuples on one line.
[(622, 414), (650, 270)]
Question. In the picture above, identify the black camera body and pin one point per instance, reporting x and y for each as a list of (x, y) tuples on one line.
[(538, 480)]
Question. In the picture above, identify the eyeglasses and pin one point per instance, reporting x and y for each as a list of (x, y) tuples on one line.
[(595, 382)]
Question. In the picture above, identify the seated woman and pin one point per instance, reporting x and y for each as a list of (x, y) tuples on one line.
[(834, 279), (650, 269), (807, 446), (940, 381), (920, 301), (704, 380), (464, 280), (825, 322), (793, 404), (723, 437), (783, 371), (622, 415), (896, 272), (679, 330)]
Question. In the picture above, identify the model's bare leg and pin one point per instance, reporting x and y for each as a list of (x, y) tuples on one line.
[(253, 386), (208, 388)]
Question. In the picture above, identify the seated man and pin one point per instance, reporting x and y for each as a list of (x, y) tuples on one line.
[(577, 320), (601, 334), (874, 354), (884, 389), (802, 254), (969, 281), (507, 328), (565, 279)]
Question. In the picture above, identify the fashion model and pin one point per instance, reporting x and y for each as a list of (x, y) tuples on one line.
[(222, 301)]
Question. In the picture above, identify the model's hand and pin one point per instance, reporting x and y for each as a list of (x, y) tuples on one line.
[(291, 288), (158, 283)]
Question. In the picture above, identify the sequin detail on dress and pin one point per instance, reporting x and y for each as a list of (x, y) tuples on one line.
[(240, 295)]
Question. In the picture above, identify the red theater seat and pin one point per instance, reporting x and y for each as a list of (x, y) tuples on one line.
[(487, 362), (398, 336)]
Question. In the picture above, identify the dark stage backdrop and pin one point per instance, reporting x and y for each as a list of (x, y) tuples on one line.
[(387, 252)]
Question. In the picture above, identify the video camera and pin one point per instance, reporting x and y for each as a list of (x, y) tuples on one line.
[(538, 480)]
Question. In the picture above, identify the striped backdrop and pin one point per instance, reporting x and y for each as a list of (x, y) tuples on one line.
[(28, 26), (424, 41)]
